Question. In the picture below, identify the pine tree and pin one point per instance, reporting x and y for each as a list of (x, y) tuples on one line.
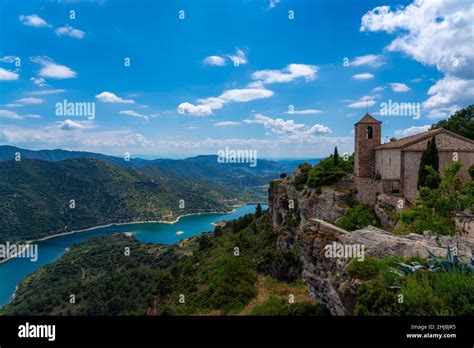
[(429, 157), (258, 211), (336, 157)]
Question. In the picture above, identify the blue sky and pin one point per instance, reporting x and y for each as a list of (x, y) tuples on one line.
[(182, 93)]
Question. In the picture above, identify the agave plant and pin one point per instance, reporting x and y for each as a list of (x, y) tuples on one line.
[(450, 263), (406, 268)]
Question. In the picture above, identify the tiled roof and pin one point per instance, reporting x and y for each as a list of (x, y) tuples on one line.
[(368, 119), (445, 141)]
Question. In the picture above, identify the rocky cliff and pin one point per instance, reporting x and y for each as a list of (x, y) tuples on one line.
[(303, 220)]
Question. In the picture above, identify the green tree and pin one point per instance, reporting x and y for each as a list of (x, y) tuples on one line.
[(258, 211), (471, 171), (461, 122), (435, 210), (336, 157), (429, 158)]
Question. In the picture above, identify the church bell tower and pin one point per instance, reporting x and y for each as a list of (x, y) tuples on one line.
[(367, 137)]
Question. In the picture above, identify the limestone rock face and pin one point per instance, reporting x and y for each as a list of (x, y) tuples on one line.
[(325, 275), (304, 227)]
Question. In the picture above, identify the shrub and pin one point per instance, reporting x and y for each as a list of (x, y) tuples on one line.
[(356, 217), (424, 292), (231, 284), (302, 177), (366, 269), (436, 208), (281, 307)]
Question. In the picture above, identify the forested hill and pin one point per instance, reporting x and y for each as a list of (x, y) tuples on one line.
[(152, 278), (249, 180), (35, 196)]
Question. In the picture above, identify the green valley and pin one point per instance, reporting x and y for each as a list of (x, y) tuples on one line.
[(40, 198)]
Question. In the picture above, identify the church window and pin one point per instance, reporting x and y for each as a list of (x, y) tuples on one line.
[(370, 132)]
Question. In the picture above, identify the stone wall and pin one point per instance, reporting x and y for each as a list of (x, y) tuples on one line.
[(367, 190), (387, 163), (411, 166)]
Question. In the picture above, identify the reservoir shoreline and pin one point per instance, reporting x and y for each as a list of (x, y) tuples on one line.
[(27, 243)]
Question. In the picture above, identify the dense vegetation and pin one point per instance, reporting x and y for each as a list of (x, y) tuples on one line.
[(328, 171), (435, 209), (35, 196), (250, 181), (429, 166), (357, 217), (461, 122), (422, 292), (202, 275)]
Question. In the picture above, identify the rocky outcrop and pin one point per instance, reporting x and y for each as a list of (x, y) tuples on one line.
[(325, 274), (385, 208), (300, 218)]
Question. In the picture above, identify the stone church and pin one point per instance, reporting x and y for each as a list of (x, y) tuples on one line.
[(392, 168)]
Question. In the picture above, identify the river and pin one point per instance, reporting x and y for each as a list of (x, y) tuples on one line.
[(17, 269)]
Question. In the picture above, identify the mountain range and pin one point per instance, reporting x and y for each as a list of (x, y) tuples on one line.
[(251, 181), (51, 191)]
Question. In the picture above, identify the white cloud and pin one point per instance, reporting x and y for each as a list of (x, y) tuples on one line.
[(10, 114), (399, 87), (449, 91), (50, 69), (363, 76), (226, 124), (214, 61), (194, 110), (434, 33), (287, 74), (207, 105), (134, 114), (7, 75), (109, 97), (116, 142), (48, 91), (39, 81), (378, 89), (363, 102), (8, 59), (13, 105), (239, 58), (412, 130), (304, 112), (245, 95), (30, 100), (70, 125), (288, 129), (33, 116), (273, 3), (373, 60), (67, 30), (33, 21)]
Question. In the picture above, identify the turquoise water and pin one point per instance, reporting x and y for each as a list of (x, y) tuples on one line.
[(15, 270)]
